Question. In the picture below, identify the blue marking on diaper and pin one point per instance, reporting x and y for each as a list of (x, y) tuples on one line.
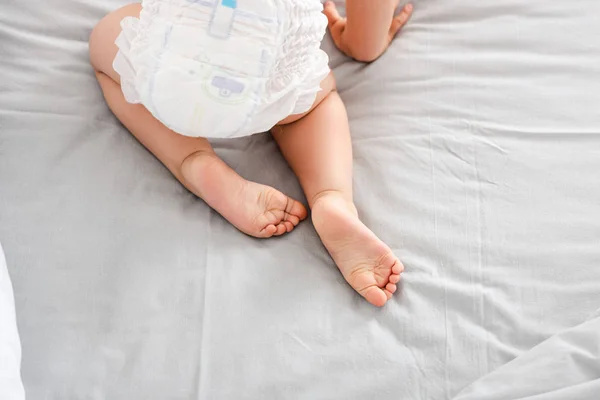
[(221, 21)]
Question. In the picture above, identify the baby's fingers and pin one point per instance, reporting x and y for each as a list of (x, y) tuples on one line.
[(332, 14), (400, 20), (337, 25)]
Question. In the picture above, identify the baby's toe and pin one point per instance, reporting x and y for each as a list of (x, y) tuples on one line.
[(397, 268), (296, 209), (391, 287), (268, 231), (288, 226), (293, 219), (394, 278), (280, 229), (388, 294), (375, 296)]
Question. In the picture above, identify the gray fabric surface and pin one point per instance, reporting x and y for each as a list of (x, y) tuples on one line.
[(566, 366), (477, 151)]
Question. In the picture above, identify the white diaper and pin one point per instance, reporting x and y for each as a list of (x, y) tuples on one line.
[(223, 68)]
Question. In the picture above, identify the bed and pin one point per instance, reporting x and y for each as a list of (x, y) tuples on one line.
[(477, 156)]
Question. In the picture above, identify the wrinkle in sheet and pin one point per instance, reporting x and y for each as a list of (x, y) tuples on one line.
[(586, 390), (479, 230), (299, 341), (416, 362), (45, 114), (204, 314), (441, 273)]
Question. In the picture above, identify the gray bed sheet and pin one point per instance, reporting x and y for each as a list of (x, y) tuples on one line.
[(477, 151)]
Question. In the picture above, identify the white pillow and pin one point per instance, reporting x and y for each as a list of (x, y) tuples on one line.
[(11, 387)]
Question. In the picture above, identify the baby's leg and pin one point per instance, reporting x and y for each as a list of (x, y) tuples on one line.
[(254, 209), (318, 148)]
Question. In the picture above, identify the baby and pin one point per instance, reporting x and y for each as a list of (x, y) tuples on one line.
[(176, 72)]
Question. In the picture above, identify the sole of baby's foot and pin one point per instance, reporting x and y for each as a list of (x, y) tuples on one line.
[(367, 263), (257, 210)]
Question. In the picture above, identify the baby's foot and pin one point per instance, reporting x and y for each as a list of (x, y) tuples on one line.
[(255, 209), (366, 262)]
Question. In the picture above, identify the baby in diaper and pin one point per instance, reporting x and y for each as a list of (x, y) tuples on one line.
[(179, 72)]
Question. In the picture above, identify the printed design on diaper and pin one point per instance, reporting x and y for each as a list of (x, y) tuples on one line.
[(227, 86), (226, 89)]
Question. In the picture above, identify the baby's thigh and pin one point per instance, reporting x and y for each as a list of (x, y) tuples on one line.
[(327, 86), (102, 40)]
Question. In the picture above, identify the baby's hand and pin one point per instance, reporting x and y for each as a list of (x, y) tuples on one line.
[(365, 37)]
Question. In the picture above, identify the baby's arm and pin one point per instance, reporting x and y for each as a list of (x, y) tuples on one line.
[(369, 26)]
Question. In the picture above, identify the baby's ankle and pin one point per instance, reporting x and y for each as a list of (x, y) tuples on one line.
[(340, 197), (196, 156), (192, 164)]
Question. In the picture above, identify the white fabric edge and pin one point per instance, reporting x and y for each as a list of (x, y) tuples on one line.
[(11, 386)]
